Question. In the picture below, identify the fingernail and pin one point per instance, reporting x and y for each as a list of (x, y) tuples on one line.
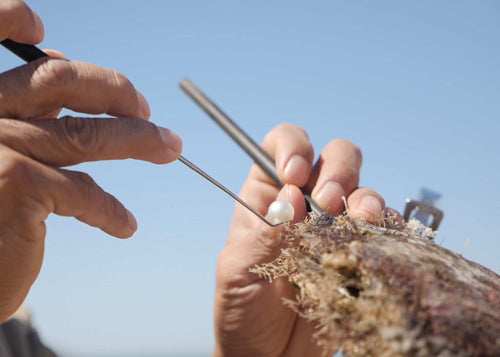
[(172, 140), (330, 193), (370, 205), (143, 104), (296, 170), (132, 223)]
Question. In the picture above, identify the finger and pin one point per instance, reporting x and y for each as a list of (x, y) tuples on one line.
[(55, 54), (256, 235), (394, 218), (75, 194), (39, 190), (336, 174), (289, 146), (19, 23), (366, 204), (257, 242), (48, 84), (71, 140)]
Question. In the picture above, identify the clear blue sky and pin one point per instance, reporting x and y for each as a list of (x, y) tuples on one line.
[(415, 84)]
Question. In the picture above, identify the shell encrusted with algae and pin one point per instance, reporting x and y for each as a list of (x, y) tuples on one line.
[(388, 290)]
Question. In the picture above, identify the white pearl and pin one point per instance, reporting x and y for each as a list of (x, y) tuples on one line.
[(280, 211)]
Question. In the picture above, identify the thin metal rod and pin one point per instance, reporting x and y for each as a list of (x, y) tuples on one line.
[(30, 53), (225, 189), (259, 156)]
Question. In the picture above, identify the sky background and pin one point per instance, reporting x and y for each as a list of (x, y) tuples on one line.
[(415, 84)]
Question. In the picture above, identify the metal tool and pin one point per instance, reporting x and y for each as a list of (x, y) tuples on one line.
[(425, 208), (226, 190), (260, 157), (30, 53)]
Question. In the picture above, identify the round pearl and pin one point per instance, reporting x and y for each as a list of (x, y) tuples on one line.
[(280, 211)]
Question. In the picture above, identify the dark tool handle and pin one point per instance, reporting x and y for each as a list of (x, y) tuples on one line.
[(26, 52)]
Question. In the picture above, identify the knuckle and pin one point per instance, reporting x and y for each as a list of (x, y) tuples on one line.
[(107, 213), (347, 178), (81, 135), (54, 73), (86, 186), (92, 192), (227, 280), (135, 125), (114, 208), (286, 129), (15, 170), (12, 129), (123, 82), (85, 180), (8, 8), (347, 146), (5, 125)]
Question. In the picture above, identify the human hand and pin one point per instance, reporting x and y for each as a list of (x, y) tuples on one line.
[(250, 317), (34, 146)]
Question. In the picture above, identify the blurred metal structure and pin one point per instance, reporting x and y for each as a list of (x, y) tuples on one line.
[(424, 209)]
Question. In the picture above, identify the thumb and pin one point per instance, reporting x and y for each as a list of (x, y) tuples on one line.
[(258, 243), (19, 23)]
